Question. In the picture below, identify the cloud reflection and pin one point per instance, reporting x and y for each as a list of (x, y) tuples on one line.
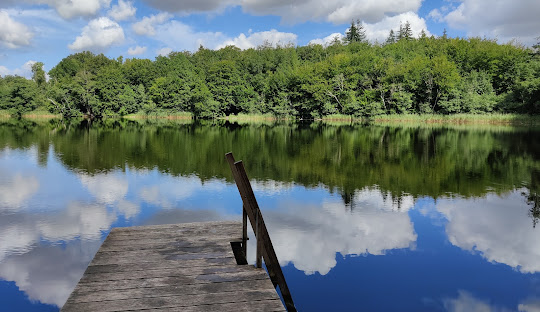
[(15, 190), (498, 227), (49, 273), (309, 236), (466, 302)]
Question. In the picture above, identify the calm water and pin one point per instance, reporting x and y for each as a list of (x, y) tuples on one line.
[(368, 218)]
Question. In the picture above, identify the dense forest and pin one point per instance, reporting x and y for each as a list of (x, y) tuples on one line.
[(351, 77)]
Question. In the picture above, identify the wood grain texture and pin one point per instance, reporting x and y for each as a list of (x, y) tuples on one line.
[(181, 267)]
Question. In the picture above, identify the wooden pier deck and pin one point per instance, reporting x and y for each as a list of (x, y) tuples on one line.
[(182, 267)]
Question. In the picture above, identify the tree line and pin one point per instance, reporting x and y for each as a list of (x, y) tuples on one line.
[(351, 76)]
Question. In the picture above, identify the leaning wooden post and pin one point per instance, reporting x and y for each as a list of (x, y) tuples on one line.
[(257, 223)]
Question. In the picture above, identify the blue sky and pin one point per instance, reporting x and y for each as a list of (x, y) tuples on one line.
[(49, 30)]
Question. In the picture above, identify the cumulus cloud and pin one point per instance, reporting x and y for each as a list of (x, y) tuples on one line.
[(49, 274), (73, 8), (189, 6), (146, 26), (170, 191), (163, 51), (98, 35), (341, 11), (292, 12), (507, 234), (19, 232), (180, 36), (506, 19), (273, 37), (328, 39), (136, 50), (16, 190), (467, 302), (122, 11), (106, 188), (530, 305), (310, 236), (379, 31), (14, 34), (24, 71)]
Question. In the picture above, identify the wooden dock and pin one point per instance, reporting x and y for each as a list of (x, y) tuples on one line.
[(183, 267), (186, 267)]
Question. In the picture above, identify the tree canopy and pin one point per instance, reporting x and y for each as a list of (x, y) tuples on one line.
[(354, 77)]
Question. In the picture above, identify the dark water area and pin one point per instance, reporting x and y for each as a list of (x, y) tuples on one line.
[(362, 217)]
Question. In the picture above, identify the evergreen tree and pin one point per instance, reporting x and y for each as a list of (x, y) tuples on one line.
[(405, 31), (391, 37), (355, 33), (444, 34)]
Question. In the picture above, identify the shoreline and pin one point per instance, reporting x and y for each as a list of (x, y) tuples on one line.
[(457, 119)]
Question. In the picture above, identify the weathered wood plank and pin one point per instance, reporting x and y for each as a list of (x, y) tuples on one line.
[(192, 271), (143, 266), (173, 301), (259, 306), (188, 267), (81, 295)]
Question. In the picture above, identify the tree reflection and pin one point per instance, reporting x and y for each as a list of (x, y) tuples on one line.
[(533, 197)]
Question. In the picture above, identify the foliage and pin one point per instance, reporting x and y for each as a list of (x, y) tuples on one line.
[(404, 75)]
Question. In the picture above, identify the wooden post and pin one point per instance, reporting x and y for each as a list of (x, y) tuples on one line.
[(258, 235), (257, 223), (244, 231)]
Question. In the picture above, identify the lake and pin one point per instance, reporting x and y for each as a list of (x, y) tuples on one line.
[(362, 217)]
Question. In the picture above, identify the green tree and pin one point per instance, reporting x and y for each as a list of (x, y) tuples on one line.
[(356, 32)]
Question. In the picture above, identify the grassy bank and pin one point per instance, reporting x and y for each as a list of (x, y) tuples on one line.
[(457, 119), (160, 115), (337, 119), (494, 119)]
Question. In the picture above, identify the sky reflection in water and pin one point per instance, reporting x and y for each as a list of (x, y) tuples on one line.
[(374, 252)]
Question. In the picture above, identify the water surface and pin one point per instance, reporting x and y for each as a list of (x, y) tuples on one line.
[(363, 217)]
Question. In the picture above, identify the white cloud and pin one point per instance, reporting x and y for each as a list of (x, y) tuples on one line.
[(14, 34), (189, 6), (19, 232), (273, 37), (327, 40), (16, 190), (292, 12), (136, 50), (49, 274), (180, 36), (122, 11), (341, 11), (379, 31), (530, 305), (73, 8), (467, 302), (506, 20), (436, 15), (163, 51), (106, 188), (24, 71), (146, 26), (506, 236), (98, 35), (309, 236)]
